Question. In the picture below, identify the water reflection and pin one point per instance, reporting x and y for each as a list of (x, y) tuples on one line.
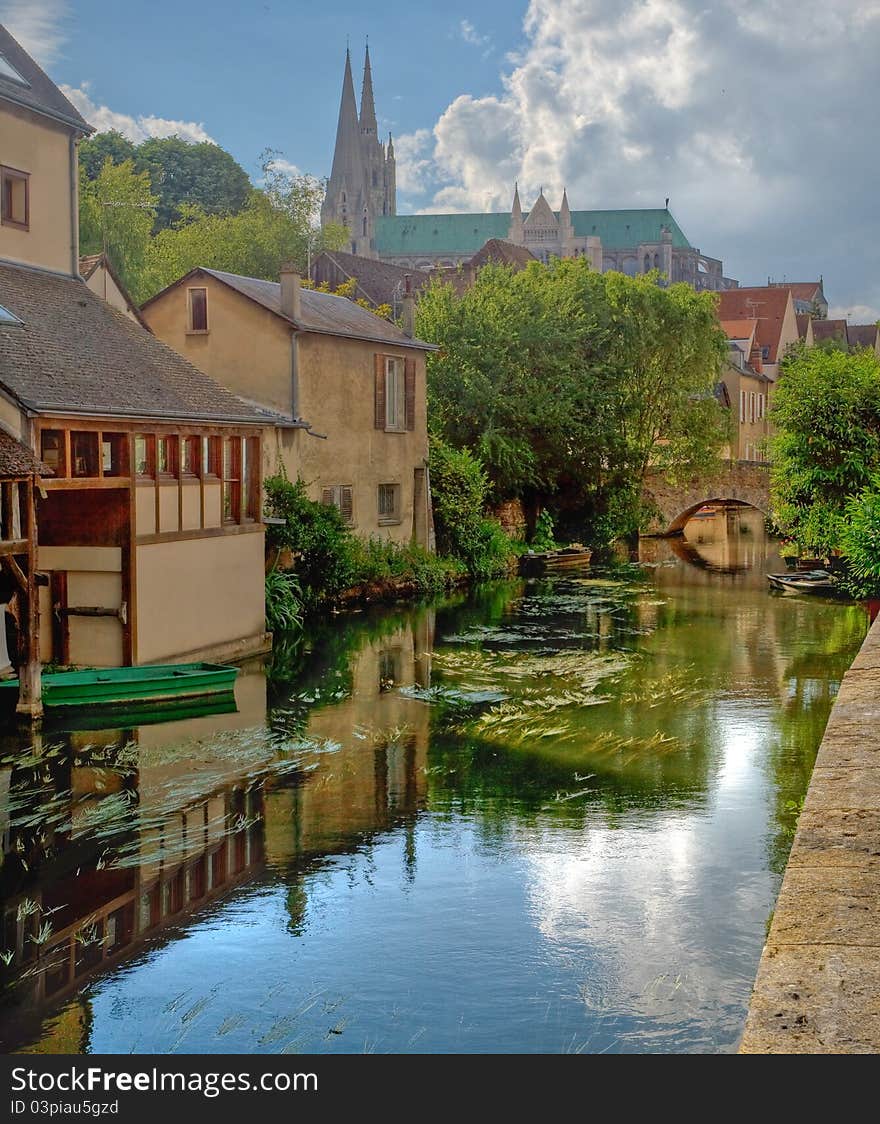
[(549, 816)]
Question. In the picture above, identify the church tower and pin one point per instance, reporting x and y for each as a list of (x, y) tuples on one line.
[(362, 183)]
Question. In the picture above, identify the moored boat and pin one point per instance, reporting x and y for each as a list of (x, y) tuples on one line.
[(810, 581), (121, 686)]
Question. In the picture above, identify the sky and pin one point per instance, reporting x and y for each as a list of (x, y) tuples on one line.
[(757, 118)]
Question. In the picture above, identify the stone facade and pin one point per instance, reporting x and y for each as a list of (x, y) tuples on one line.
[(675, 503)]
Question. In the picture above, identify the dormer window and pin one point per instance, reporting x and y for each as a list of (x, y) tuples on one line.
[(8, 71), (198, 309), (14, 198)]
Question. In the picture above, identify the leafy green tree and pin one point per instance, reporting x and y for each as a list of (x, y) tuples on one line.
[(112, 145), (569, 384), (860, 540), (117, 211), (186, 175), (826, 411)]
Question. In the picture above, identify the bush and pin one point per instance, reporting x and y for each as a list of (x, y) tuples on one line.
[(860, 541), (459, 487), (316, 534), (284, 602), (378, 560), (543, 538)]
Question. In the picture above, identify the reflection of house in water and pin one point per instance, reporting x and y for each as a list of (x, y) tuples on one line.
[(113, 841)]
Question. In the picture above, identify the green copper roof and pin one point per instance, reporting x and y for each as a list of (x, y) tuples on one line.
[(465, 234)]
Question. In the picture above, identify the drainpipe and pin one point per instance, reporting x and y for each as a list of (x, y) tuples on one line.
[(291, 307), (73, 162), (294, 375)]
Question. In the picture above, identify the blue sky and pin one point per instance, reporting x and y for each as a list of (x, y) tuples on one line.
[(757, 119)]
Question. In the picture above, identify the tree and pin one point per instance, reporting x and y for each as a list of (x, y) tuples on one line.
[(826, 411), (184, 175), (569, 384), (117, 211), (95, 151)]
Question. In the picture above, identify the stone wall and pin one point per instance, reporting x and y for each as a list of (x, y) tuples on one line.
[(675, 503), (818, 984)]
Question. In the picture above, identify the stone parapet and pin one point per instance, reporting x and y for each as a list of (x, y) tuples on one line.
[(818, 984)]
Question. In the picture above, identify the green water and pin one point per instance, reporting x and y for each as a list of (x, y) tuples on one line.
[(550, 816)]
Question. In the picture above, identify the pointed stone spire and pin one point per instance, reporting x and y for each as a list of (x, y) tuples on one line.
[(515, 233), (368, 106), (390, 149), (564, 211), (346, 156)]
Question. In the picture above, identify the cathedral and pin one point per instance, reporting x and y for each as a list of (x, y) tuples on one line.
[(362, 183), (361, 195)]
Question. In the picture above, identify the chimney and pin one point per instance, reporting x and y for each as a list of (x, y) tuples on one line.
[(756, 359), (408, 310), (291, 302)]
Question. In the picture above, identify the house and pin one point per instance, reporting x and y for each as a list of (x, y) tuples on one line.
[(347, 388), (864, 335), (98, 273), (805, 328), (746, 390), (772, 309), (832, 331), (375, 281), (808, 296), (134, 503)]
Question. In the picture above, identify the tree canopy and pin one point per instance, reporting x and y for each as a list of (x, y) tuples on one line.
[(569, 384)]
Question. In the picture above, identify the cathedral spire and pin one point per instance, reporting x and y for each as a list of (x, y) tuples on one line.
[(564, 210), (515, 234), (368, 106), (517, 206), (346, 156)]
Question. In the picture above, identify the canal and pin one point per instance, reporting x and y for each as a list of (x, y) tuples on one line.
[(548, 816)]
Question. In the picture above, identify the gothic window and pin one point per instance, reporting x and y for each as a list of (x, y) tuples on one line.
[(647, 263), (365, 224), (656, 261)]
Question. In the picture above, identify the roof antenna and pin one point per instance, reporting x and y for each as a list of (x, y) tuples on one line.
[(667, 202)]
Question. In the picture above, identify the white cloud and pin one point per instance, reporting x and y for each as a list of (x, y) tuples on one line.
[(38, 25), (753, 116), (470, 35), (138, 128), (854, 313), (285, 167)]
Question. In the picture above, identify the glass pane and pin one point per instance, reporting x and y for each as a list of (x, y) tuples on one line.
[(7, 70), (52, 449), (84, 454), (113, 454), (142, 458)]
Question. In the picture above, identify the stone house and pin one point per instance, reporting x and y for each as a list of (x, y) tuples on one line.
[(746, 391), (345, 389), (142, 519)]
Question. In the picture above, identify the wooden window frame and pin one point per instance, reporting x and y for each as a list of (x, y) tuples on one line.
[(191, 330), (95, 437), (232, 480), (334, 495), (7, 173), (190, 441), (172, 444)]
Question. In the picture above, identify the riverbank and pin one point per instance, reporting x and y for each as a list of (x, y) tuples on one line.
[(818, 984)]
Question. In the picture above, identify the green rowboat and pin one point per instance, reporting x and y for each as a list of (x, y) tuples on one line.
[(121, 686)]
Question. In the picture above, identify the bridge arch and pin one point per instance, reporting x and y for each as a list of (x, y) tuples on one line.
[(745, 483)]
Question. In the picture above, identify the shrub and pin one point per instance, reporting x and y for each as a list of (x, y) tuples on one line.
[(459, 487), (284, 602), (860, 541), (378, 560), (543, 538), (315, 532)]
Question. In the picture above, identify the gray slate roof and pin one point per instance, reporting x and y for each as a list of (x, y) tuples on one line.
[(324, 313), (17, 459), (39, 92), (74, 353), (378, 281)]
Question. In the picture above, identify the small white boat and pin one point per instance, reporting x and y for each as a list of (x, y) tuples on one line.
[(811, 581)]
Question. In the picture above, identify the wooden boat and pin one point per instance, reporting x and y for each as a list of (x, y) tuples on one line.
[(121, 686), (810, 581), (532, 564)]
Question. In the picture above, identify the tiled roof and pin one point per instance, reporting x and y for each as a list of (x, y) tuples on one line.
[(739, 329), (398, 235), (803, 324), (88, 263), (863, 335), (37, 92), (17, 459), (767, 306), (74, 353), (378, 281), (830, 330), (323, 313), (800, 290), (505, 253)]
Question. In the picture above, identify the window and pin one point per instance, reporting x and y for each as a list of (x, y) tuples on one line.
[(211, 456), (7, 317), (84, 454), (393, 394), (742, 407), (52, 450), (113, 454), (389, 503), (395, 385), (14, 198), (231, 479), (145, 455), (198, 310), (192, 454), (341, 496), (167, 456), (7, 70)]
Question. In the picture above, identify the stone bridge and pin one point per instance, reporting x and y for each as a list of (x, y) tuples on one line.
[(746, 482)]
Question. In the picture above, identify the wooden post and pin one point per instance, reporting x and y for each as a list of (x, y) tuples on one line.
[(30, 690)]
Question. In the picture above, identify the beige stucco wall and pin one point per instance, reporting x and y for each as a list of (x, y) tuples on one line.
[(106, 288), (94, 579), (12, 420), (750, 437), (196, 593), (33, 144), (249, 350)]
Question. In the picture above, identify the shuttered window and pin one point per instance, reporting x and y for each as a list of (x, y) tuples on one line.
[(394, 393), (341, 497), (198, 310)]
